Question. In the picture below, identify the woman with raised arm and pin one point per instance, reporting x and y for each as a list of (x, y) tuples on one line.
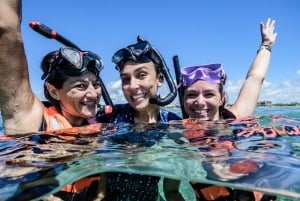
[(72, 87), (204, 99)]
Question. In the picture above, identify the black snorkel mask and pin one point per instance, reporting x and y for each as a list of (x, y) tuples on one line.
[(143, 51), (72, 61), (139, 52)]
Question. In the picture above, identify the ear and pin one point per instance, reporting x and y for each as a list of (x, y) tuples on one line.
[(160, 79), (52, 91)]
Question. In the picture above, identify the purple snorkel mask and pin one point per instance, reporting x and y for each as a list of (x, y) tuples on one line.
[(211, 73)]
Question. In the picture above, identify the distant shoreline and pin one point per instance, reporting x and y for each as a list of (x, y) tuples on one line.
[(259, 106)]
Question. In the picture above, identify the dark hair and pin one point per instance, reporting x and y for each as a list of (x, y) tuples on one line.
[(54, 77), (222, 107)]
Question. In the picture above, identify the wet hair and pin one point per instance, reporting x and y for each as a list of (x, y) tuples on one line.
[(222, 107), (54, 77)]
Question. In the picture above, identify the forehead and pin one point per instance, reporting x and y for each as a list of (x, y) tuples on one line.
[(201, 85), (87, 76), (131, 66)]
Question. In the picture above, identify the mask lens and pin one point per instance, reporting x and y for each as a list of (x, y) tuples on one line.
[(72, 62), (139, 49), (98, 64), (133, 52), (212, 73), (72, 56), (118, 56)]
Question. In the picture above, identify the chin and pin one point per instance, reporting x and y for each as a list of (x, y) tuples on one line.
[(200, 117), (139, 105), (89, 114)]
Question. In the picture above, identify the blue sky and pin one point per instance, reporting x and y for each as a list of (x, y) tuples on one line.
[(198, 31)]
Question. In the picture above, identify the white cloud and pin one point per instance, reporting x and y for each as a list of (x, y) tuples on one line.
[(115, 92), (266, 83), (285, 92), (116, 84)]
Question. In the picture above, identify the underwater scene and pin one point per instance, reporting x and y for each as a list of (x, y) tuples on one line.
[(259, 153)]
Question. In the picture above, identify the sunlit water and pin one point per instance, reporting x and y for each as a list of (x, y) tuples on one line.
[(36, 165)]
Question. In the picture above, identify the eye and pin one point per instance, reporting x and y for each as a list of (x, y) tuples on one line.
[(125, 80), (81, 86), (142, 75), (209, 94), (191, 95), (96, 85)]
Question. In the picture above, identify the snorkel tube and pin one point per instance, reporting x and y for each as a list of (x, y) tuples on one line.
[(165, 72), (51, 34), (180, 89)]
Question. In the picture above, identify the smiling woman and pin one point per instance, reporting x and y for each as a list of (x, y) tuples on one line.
[(72, 86), (72, 83), (202, 88), (141, 71)]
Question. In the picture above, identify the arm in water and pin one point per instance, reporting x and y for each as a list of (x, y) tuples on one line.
[(21, 110)]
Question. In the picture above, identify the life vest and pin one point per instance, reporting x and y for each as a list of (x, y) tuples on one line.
[(195, 132), (206, 192), (54, 120)]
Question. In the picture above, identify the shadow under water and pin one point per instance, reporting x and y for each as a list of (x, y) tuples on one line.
[(260, 154)]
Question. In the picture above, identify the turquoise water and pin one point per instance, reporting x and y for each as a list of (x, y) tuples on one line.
[(35, 165)]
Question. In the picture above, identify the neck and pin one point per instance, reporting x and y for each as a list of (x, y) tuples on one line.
[(147, 116), (74, 121)]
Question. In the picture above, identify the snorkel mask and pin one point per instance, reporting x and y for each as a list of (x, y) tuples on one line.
[(211, 73), (139, 52), (144, 52), (84, 61), (71, 62)]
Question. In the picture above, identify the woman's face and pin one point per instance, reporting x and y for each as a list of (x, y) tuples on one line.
[(139, 83), (79, 96), (202, 100)]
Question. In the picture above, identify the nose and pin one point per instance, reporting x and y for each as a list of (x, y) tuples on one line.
[(200, 100), (93, 92), (134, 83)]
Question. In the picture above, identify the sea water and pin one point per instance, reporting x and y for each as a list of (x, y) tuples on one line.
[(35, 165)]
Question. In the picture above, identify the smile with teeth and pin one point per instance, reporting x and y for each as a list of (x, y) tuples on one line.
[(89, 103), (200, 111), (141, 95)]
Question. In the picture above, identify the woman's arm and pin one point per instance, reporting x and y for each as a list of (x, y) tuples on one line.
[(250, 91), (21, 110)]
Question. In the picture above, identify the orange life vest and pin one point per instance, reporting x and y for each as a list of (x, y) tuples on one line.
[(195, 133), (55, 120)]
